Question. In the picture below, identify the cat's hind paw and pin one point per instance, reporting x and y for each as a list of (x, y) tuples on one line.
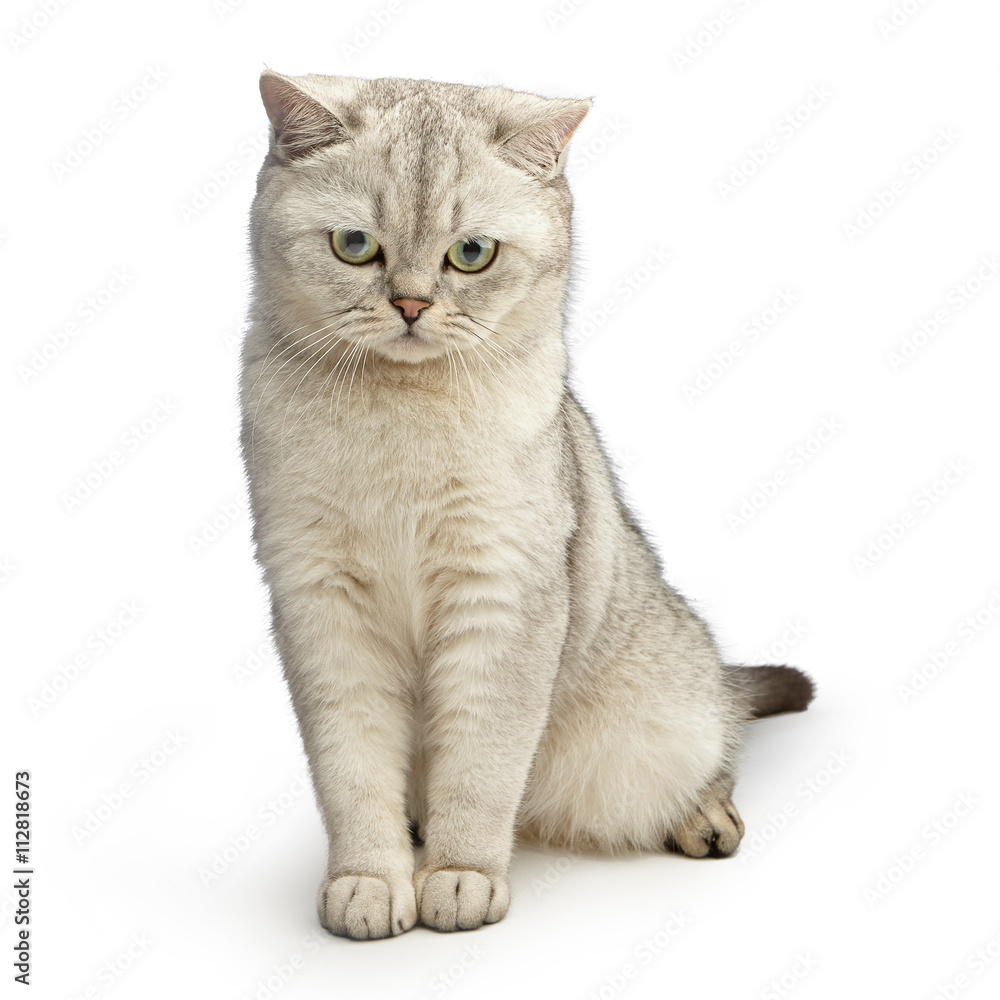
[(362, 907), (712, 830), (453, 899)]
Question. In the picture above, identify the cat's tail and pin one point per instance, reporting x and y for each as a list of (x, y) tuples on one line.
[(771, 690)]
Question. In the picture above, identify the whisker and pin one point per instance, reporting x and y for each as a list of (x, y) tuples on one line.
[(263, 394), (513, 359), (334, 378), (472, 388), (457, 390), (296, 354), (500, 382), (447, 348), (353, 373), (340, 372), (484, 360), (291, 397), (354, 350), (361, 377), (496, 346), (281, 341), (500, 357)]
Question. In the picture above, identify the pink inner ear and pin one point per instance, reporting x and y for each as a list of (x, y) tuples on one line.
[(300, 122), (538, 146), (277, 97)]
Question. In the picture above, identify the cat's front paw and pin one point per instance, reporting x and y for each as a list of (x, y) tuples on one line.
[(460, 899), (362, 907)]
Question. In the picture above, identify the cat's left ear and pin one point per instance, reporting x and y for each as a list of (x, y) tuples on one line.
[(539, 146)]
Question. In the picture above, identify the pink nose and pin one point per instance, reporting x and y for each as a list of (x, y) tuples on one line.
[(410, 307)]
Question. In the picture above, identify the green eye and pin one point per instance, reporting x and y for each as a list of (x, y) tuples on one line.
[(353, 246), (472, 255)]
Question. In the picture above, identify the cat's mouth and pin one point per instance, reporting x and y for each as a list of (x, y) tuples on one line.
[(409, 340), (409, 346)]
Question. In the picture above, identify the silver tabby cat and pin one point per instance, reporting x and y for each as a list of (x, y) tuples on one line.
[(477, 637)]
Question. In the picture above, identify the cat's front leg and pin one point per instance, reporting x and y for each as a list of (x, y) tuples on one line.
[(487, 690), (349, 693)]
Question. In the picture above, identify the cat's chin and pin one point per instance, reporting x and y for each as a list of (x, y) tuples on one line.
[(409, 348)]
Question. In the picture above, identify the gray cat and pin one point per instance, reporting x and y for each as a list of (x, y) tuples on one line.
[(477, 637)]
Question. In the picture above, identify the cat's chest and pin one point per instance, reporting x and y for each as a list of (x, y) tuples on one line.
[(376, 468), (408, 463), (409, 484), (401, 448)]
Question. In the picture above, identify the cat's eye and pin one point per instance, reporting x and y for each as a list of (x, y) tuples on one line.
[(472, 255), (353, 245)]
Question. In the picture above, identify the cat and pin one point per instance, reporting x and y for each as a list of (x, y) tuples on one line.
[(477, 637)]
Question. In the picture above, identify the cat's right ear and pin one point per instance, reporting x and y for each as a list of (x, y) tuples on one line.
[(301, 124)]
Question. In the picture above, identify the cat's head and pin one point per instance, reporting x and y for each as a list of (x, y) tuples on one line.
[(412, 217)]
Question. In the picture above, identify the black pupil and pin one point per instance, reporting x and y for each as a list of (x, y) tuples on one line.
[(471, 252), (354, 242)]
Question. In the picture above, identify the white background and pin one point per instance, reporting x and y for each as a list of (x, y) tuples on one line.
[(844, 885)]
